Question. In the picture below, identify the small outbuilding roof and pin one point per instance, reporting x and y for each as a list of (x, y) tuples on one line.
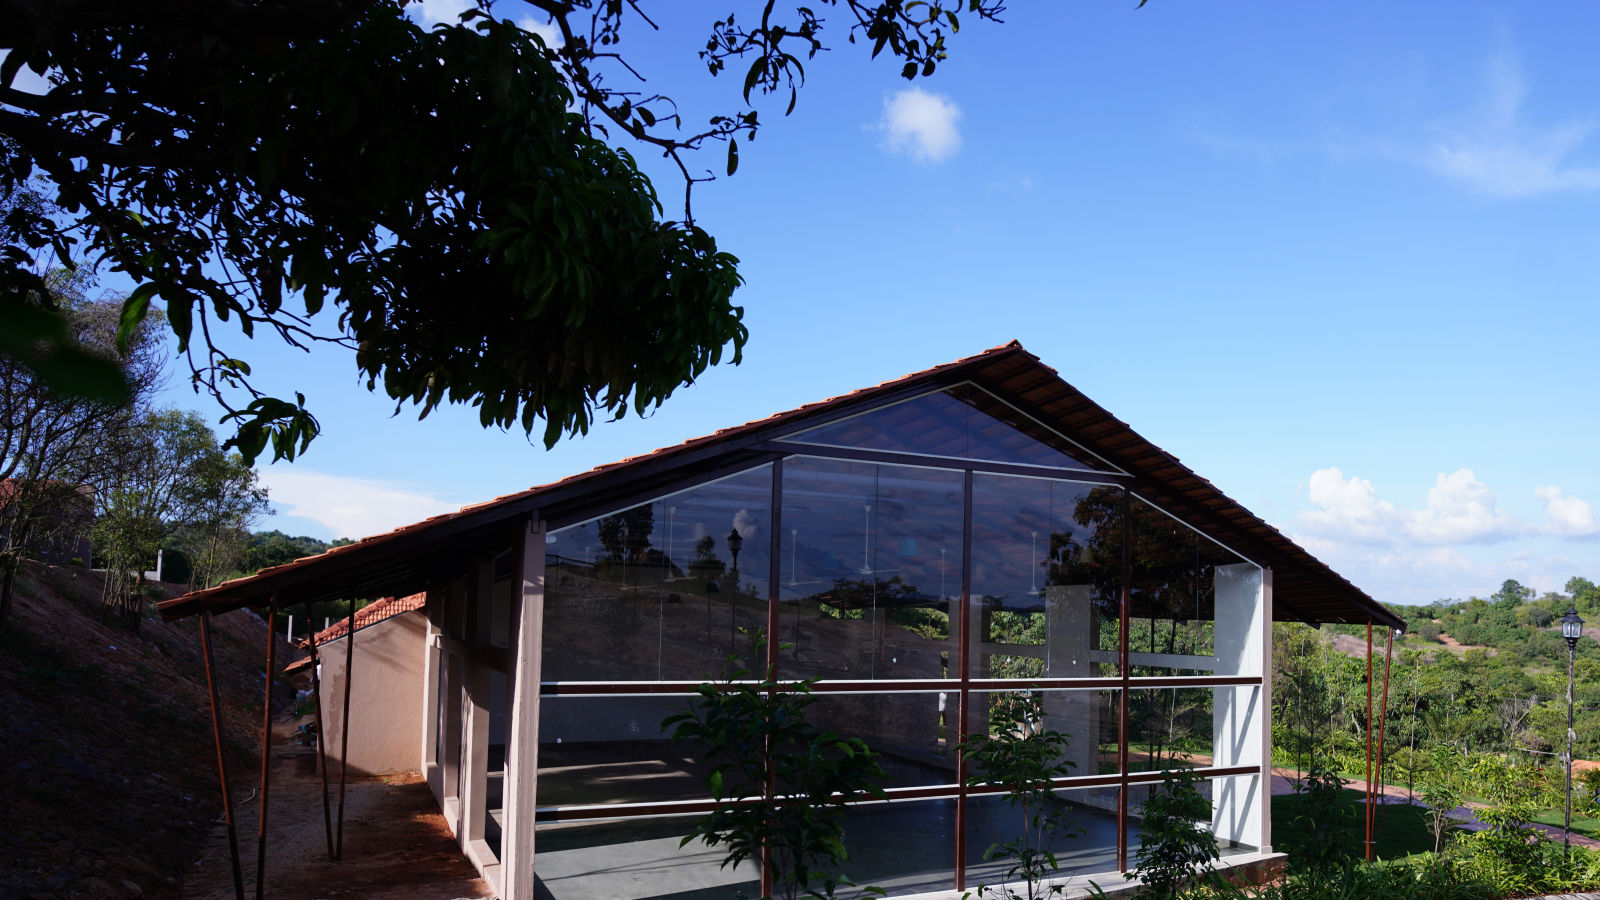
[(380, 610), (403, 561)]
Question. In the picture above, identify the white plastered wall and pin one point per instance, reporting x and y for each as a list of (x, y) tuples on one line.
[(384, 716)]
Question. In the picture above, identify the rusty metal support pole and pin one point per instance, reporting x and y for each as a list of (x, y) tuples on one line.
[(222, 761), (266, 750), (322, 737), (963, 693), (1124, 668), (1368, 740), (1383, 718), (344, 724)]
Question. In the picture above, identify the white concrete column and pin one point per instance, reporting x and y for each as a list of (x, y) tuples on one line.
[(1069, 634), (429, 751), (522, 750), (1239, 717), (475, 710)]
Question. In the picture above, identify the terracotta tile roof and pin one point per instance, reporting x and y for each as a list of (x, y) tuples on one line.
[(405, 558), (366, 616), (372, 614)]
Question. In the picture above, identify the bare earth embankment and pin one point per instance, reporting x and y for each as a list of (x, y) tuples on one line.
[(108, 785)]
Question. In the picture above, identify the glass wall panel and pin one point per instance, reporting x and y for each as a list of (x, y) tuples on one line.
[(667, 590), (1213, 789), (963, 422), (1167, 726), (598, 749), (1087, 717), (914, 733), (1175, 575), (636, 859), (1089, 844), (870, 572), (495, 783), (1046, 582), (904, 847)]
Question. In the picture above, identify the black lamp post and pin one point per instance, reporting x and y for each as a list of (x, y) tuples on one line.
[(735, 541), (1571, 629)]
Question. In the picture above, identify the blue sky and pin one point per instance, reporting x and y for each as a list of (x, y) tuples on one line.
[(1340, 259)]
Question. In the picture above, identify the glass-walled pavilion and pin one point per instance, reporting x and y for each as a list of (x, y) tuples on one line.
[(929, 552), (924, 564)]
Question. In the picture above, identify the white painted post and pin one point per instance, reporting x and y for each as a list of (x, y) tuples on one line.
[(288, 632), (522, 751), (1239, 718)]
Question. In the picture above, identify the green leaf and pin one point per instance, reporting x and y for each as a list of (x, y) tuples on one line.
[(76, 372), (733, 156), (133, 312)]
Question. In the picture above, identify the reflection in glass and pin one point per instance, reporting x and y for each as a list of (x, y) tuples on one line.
[(1087, 717), (496, 762), (1175, 574), (635, 859), (667, 590), (1090, 844), (912, 732), (1046, 578), (598, 749), (963, 422), (871, 570), (904, 847)]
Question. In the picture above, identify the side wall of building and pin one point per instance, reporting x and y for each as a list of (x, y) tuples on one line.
[(385, 718)]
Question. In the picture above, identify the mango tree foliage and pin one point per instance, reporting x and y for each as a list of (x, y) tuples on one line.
[(450, 203)]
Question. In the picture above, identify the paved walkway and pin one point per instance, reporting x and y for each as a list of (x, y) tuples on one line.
[(1466, 815)]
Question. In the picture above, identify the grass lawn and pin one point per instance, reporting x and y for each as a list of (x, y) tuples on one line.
[(1401, 829), (1580, 824)]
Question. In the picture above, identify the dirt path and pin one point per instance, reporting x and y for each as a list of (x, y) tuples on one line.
[(396, 844)]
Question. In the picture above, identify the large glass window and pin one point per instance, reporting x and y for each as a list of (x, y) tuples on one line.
[(1175, 578), (598, 750), (963, 422), (871, 560), (662, 591), (1046, 578), (871, 571), (635, 859), (1087, 843)]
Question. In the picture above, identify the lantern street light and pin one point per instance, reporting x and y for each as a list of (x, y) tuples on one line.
[(735, 541), (1571, 629)]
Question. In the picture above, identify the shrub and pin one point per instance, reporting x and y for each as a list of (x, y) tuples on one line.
[(1025, 758), (755, 734), (1175, 851), (1318, 836)]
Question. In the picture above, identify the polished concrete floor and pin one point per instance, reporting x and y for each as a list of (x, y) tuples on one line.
[(904, 847)]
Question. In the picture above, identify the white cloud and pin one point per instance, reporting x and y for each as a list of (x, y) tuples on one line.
[(1496, 153), (1348, 510), (348, 507), (920, 124), (1569, 516), (548, 32), (436, 12), (1460, 510)]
